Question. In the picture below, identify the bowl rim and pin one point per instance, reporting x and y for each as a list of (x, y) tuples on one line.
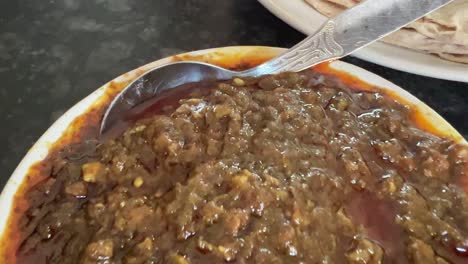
[(40, 149)]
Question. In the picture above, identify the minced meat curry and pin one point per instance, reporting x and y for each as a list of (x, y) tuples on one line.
[(288, 168)]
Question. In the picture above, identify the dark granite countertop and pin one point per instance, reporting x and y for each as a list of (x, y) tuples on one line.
[(55, 52)]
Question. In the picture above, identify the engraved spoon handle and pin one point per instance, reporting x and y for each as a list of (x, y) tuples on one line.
[(351, 30), (314, 49)]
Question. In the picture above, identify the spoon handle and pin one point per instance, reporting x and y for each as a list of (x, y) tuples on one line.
[(315, 49), (351, 30)]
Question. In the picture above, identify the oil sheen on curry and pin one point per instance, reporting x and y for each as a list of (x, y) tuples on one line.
[(289, 168)]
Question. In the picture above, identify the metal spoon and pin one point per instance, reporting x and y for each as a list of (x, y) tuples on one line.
[(338, 37)]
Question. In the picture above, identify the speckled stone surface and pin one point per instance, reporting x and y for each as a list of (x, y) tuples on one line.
[(55, 52)]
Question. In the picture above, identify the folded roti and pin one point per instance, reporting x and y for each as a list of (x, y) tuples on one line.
[(443, 32)]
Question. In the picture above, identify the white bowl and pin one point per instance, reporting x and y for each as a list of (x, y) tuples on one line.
[(66, 127)]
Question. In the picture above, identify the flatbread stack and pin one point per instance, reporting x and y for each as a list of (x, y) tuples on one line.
[(443, 32)]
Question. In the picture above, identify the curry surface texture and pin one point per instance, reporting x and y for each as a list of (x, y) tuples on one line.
[(290, 168)]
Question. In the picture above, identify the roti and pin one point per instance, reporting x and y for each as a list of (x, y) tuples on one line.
[(443, 32)]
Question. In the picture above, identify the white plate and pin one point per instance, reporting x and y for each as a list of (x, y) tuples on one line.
[(306, 19), (228, 56)]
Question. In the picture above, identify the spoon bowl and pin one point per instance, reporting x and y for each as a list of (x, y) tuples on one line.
[(159, 80)]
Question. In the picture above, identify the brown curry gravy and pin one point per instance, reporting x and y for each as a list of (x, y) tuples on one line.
[(86, 126)]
